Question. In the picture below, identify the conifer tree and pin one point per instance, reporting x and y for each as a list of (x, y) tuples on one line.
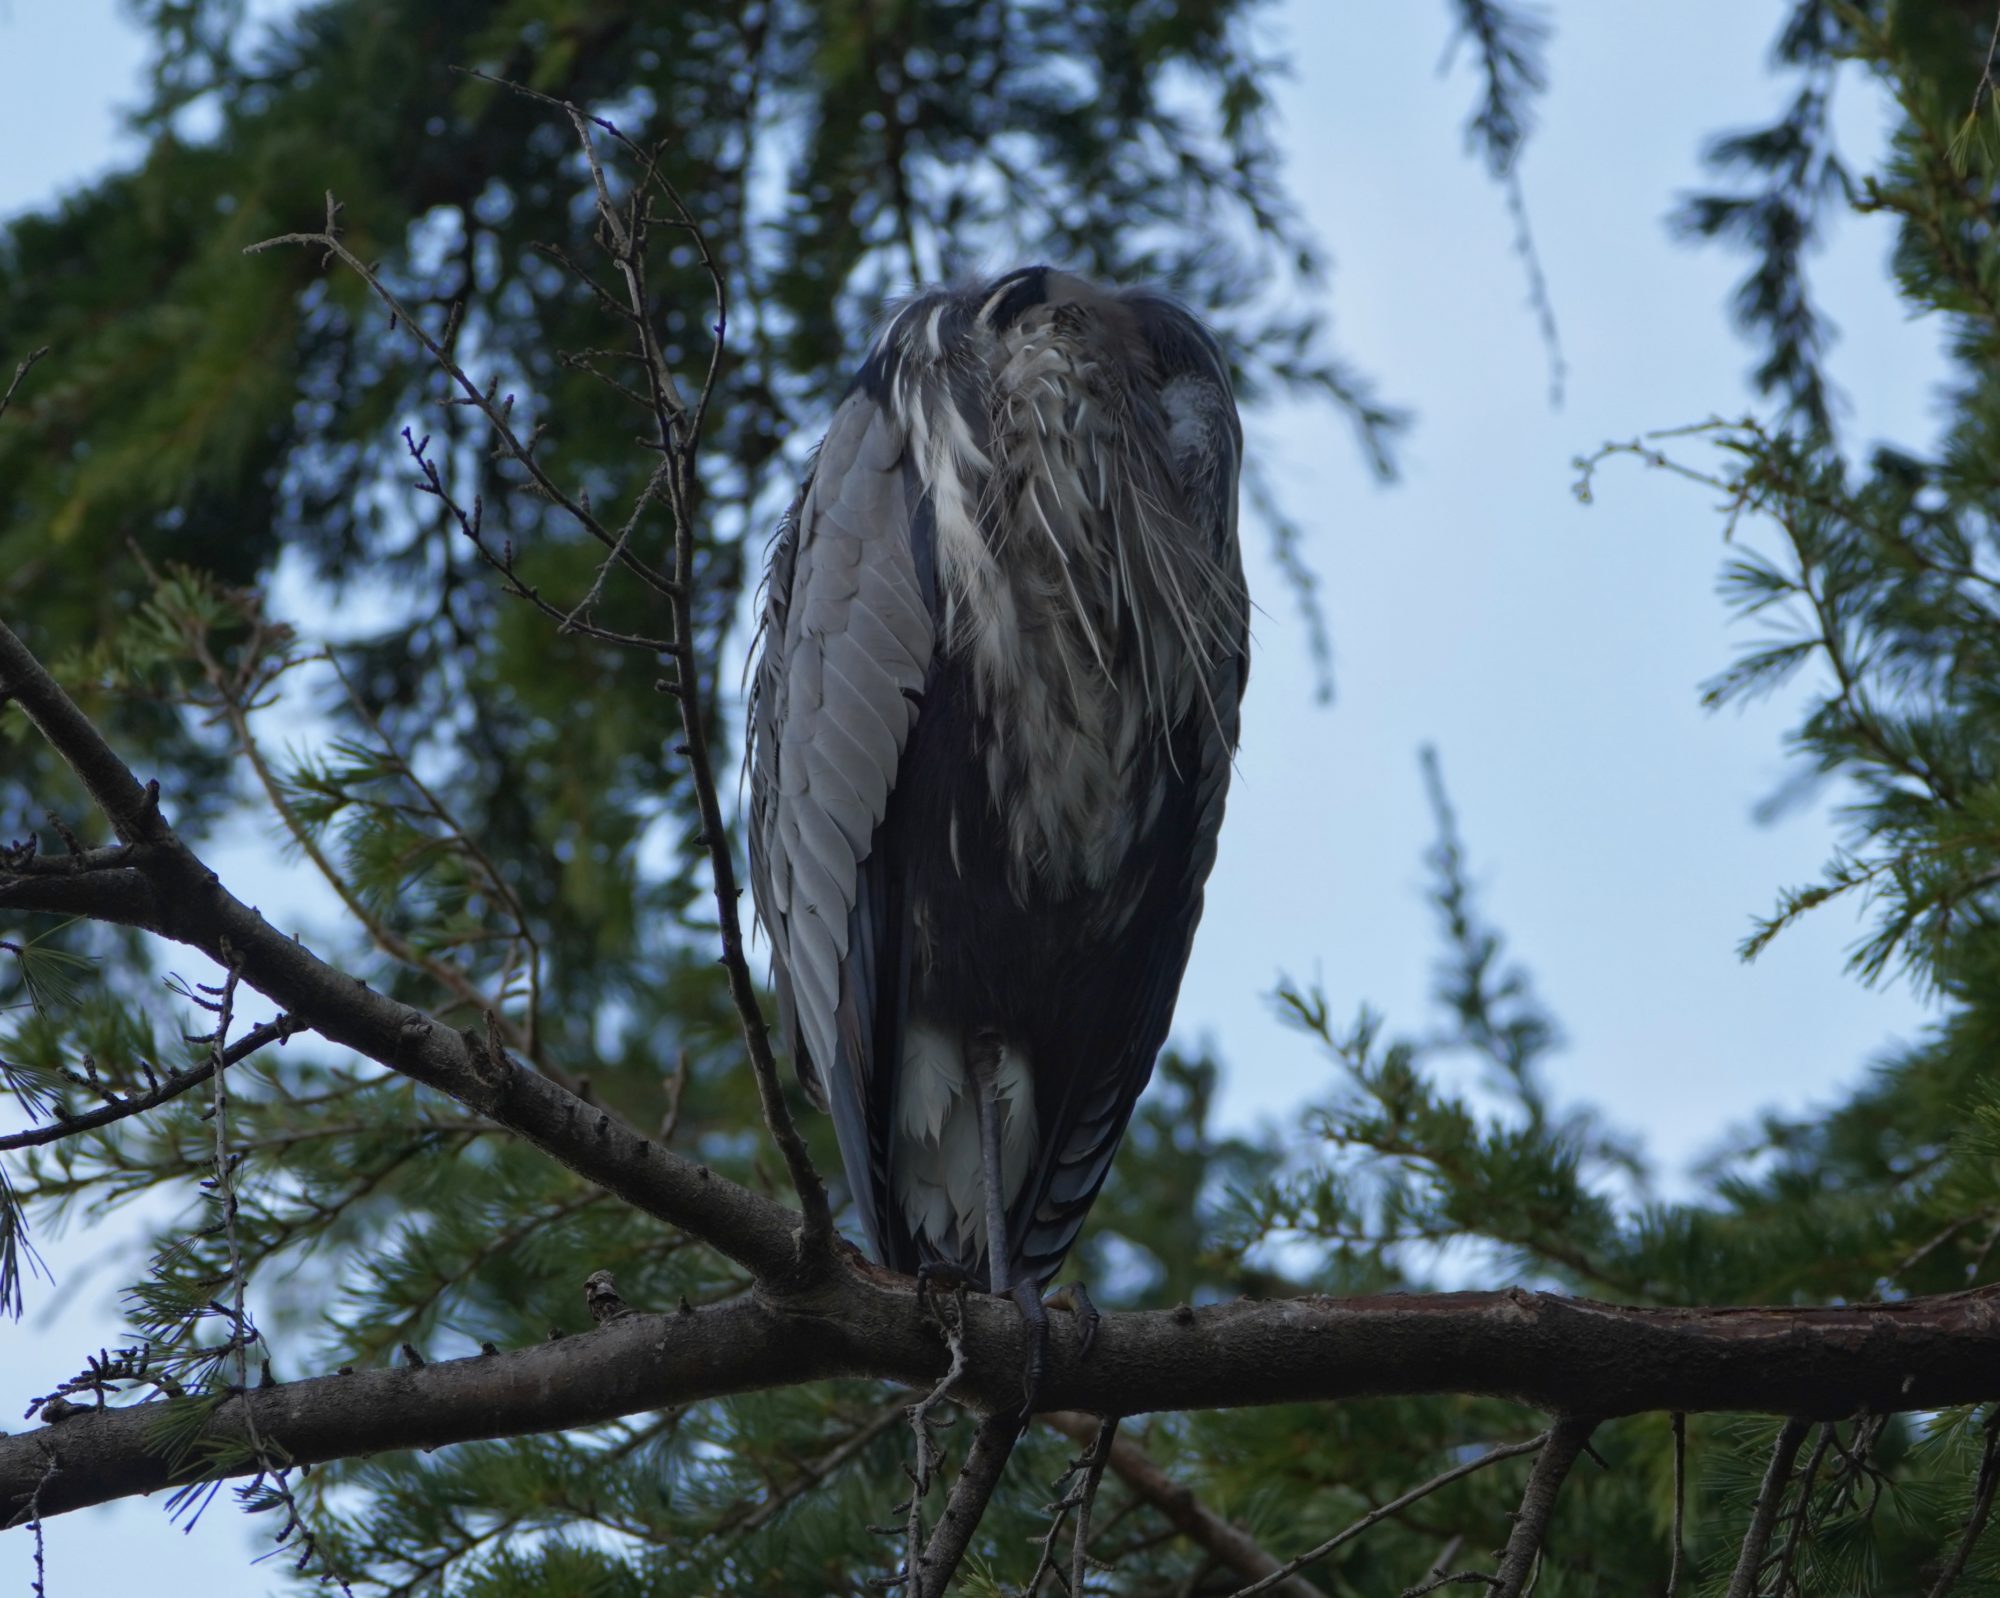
[(499, 1263)]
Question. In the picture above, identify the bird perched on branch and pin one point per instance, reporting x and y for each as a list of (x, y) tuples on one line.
[(1003, 647)]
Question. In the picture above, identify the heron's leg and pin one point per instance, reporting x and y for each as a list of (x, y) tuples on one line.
[(983, 1060), (985, 1064)]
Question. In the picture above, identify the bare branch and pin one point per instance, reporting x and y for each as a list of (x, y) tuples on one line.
[(930, 1458), (22, 368), (1566, 1439), (1093, 1463), (165, 1089), (1802, 1510), (1764, 1516), (622, 235), (1089, 1464), (488, 403), (471, 525), (992, 1444), (1680, 1504)]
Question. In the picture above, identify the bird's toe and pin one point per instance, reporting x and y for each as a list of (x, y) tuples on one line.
[(1075, 1297)]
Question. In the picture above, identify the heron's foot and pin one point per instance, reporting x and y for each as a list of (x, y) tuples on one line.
[(1027, 1297), (1075, 1297), (1072, 1297)]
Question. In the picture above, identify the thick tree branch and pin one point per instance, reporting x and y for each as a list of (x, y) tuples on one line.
[(190, 905), (1556, 1354), (122, 897)]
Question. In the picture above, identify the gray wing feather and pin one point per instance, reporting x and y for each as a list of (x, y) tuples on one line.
[(847, 640)]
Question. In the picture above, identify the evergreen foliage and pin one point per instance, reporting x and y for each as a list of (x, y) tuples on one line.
[(211, 431)]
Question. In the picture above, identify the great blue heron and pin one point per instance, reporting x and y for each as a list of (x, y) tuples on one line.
[(1003, 648)]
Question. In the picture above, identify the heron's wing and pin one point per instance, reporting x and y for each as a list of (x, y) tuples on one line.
[(1121, 1007), (847, 643), (1124, 1006)]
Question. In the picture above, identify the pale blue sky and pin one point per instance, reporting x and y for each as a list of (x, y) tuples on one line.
[(1550, 651)]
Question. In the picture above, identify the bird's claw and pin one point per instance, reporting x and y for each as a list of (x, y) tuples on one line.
[(1075, 1297), (1072, 1297), (1027, 1298)]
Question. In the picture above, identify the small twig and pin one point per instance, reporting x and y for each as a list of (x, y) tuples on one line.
[(472, 525), (233, 701), (1456, 1578), (21, 370), (1227, 1544), (1680, 1503), (169, 1087), (1447, 1554), (1937, 1240), (1566, 1440), (1802, 1512), (272, 1469), (1980, 91), (1068, 1495), (675, 1089), (1093, 1477), (530, 1032), (487, 403), (929, 1456), (1764, 1515), (31, 1515)]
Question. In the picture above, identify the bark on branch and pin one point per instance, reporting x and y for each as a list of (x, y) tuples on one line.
[(1553, 1353)]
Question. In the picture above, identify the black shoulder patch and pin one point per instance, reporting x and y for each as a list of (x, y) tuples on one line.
[(1011, 297)]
